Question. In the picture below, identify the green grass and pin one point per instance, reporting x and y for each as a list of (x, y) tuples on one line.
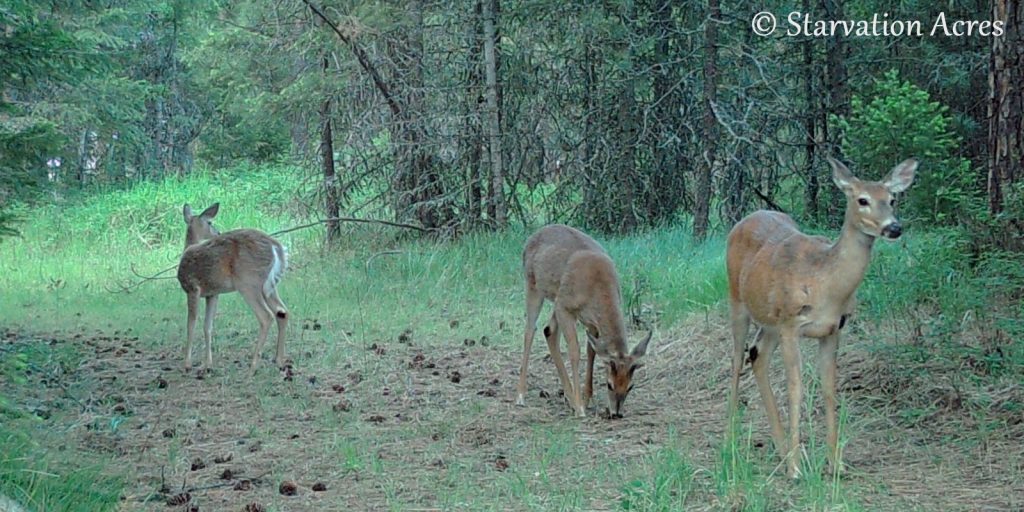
[(38, 481), (32, 471), (667, 483), (61, 273), (64, 275)]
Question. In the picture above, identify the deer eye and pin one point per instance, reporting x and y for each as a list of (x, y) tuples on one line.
[(609, 386), (862, 201)]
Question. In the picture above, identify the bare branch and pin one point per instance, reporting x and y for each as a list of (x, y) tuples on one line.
[(351, 219)]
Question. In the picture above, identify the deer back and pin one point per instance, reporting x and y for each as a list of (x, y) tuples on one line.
[(571, 268), (227, 262), (774, 269)]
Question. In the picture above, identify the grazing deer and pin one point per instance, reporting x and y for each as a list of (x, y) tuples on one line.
[(572, 270), (244, 260), (794, 285)]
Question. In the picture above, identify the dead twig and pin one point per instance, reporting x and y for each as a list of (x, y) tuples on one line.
[(352, 219), (127, 286), (154, 276), (382, 253), (771, 204)]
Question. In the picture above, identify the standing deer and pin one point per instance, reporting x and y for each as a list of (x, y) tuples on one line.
[(794, 285), (244, 260), (572, 270)]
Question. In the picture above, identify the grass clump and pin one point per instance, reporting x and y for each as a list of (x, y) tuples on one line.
[(32, 471)]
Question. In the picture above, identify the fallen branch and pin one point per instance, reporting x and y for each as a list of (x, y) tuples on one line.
[(771, 204), (352, 219), (154, 276), (127, 288)]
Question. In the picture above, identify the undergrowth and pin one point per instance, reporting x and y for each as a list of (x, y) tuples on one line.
[(938, 309)]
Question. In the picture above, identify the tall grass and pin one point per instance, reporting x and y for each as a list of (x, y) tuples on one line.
[(33, 471), (67, 269), (34, 478)]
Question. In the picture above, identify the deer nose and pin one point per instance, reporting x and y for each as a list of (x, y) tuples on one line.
[(893, 230)]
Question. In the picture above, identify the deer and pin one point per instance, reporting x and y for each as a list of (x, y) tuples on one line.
[(794, 285), (244, 260), (571, 269)]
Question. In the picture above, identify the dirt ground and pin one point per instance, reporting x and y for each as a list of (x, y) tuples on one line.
[(402, 422)]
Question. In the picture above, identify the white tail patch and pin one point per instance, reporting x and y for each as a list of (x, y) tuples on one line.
[(277, 268)]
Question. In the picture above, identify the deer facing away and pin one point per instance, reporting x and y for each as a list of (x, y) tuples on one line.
[(794, 285), (244, 260), (572, 270)]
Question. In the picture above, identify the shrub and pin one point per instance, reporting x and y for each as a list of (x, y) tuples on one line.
[(899, 122)]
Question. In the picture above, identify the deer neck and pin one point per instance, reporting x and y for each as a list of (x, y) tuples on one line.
[(192, 238), (848, 260), (612, 331)]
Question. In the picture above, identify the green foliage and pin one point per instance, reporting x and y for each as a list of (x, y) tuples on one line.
[(954, 304), (33, 470), (33, 51), (43, 482), (667, 487), (899, 122)]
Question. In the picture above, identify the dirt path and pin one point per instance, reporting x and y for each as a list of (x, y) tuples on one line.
[(406, 424)]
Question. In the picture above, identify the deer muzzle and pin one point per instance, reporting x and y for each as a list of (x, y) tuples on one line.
[(893, 230)]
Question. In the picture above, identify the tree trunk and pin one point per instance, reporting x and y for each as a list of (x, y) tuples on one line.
[(470, 138), (327, 161), (837, 101), (627, 171), (416, 186), (83, 152), (667, 187), (811, 192), (1006, 104), (702, 199), (497, 191)]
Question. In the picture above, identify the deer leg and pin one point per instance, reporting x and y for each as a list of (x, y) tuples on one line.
[(827, 366), (551, 333), (211, 311), (588, 384), (740, 326), (281, 315), (794, 386), (534, 301), (569, 324), (254, 297), (190, 329), (761, 355)]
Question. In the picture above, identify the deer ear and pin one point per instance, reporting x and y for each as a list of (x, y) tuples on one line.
[(635, 367), (210, 212), (641, 349), (841, 175), (901, 176), (187, 211), (599, 349)]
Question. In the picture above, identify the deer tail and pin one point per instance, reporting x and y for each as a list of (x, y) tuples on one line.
[(277, 268)]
